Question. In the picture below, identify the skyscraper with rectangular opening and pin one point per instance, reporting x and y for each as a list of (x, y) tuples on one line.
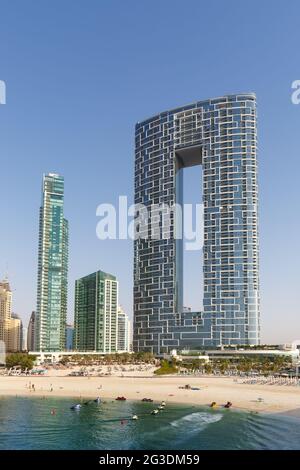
[(219, 134), (52, 288)]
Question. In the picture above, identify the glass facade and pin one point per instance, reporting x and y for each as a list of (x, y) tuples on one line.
[(123, 332), (219, 134), (52, 267), (96, 308)]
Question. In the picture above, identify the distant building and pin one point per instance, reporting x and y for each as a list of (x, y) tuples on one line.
[(24, 338), (124, 331), (51, 311), (5, 310), (96, 306), (15, 334), (293, 345), (31, 332), (296, 344), (69, 337)]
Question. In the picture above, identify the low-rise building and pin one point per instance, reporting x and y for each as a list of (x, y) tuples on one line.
[(235, 353)]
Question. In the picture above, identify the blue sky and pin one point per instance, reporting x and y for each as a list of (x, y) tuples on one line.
[(80, 74)]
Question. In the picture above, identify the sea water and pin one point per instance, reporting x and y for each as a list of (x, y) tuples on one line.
[(49, 423)]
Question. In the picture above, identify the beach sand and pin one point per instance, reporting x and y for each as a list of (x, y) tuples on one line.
[(273, 398)]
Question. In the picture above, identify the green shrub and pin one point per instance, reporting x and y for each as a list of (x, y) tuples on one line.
[(166, 368), (20, 359)]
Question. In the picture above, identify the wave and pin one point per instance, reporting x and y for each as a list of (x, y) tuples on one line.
[(197, 421)]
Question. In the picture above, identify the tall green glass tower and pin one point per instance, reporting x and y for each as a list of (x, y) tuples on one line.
[(96, 310), (52, 267)]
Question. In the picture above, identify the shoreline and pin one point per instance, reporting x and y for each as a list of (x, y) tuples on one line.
[(245, 397)]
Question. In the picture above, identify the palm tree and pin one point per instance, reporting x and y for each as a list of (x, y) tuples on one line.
[(208, 368), (224, 365)]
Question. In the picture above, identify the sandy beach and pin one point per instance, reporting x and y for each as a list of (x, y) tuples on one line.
[(261, 398)]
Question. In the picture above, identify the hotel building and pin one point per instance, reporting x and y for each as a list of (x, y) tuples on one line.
[(219, 134)]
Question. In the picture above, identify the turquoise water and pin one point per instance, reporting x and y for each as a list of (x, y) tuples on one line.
[(27, 423)]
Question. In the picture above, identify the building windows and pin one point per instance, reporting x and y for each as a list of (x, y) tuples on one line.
[(223, 131)]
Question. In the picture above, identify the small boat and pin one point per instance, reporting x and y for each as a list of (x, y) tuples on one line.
[(76, 407), (135, 417), (97, 400), (163, 403), (228, 405), (147, 400), (213, 404), (154, 412), (120, 398)]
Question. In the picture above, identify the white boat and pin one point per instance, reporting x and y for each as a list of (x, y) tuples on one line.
[(76, 407), (163, 403), (135, 417), (154, 412)]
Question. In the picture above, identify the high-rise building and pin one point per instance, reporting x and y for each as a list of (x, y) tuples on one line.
[(219, 134), (96, 306), (51, 310), (10, 323), (124, 333), (15, 334), (31, 332), (69, 337), (24, 338), (5, 310)]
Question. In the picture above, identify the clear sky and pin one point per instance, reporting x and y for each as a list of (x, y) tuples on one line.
[(79, 74)]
